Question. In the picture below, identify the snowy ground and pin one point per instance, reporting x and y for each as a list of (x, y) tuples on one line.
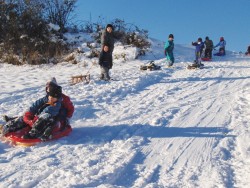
[(169, 128)]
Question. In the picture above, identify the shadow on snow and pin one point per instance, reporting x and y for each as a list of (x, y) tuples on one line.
[(108, 133)]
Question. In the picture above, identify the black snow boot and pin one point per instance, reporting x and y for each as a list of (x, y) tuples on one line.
[(47, 134)]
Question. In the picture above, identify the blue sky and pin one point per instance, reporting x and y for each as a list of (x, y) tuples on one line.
[(186, 19)]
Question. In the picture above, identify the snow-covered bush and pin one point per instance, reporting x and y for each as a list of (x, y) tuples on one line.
[(127, 34), (25, 32)]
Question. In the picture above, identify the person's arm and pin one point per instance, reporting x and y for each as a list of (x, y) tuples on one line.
[(217, 45), (166, 47), (103, 38), (37, 105), (194, 43), (101, 59)]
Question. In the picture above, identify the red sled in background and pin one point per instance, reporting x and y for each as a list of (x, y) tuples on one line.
[(206, 59)]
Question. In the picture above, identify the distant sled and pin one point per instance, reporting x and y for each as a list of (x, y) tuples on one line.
[(151, 66), (206, 59), (16, 137), (195, 66)]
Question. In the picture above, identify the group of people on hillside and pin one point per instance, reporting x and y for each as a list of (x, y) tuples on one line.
[(56, 107), (201, 47)]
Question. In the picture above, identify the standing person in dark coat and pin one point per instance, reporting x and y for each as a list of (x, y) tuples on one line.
[(105, 62), (107, 38), (208, 48)]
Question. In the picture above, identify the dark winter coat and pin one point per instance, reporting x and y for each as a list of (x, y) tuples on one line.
[(108, 39), (105, 59), (209, 44)]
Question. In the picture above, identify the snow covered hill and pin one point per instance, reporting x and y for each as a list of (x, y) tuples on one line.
[(168, 128)]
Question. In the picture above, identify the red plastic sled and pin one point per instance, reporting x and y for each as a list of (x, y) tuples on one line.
[(206, 59), (16, 137)]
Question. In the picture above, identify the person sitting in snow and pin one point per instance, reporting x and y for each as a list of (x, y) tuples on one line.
[(40, 116), (248, 51), (199, 45), (208, 48), (105, 62), (221, 45), (67, 108), (169, 47)]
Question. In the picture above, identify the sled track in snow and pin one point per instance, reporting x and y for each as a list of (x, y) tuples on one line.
[(195, 108)]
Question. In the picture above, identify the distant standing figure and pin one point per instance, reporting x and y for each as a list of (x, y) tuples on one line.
[(222, 45), (199, 45), (169, 47), (208, 48), (105, 62), (248, 51), (107, 38)]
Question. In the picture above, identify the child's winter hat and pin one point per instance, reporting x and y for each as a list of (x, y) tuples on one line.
[(171, 36), (55, 91), (51, 81)]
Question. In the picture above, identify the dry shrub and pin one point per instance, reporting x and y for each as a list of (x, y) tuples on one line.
[(70, 57), (12, 59)]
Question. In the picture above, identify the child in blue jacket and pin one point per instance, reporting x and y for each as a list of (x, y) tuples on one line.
[(169, 47), (199, 45), (221, 45)]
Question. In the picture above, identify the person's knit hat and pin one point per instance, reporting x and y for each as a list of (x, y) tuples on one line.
[(171, 36), (55, 91), (109, 25), (51, 81), (207, 38)]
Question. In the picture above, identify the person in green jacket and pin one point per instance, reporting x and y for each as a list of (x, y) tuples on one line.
[(169, 47)]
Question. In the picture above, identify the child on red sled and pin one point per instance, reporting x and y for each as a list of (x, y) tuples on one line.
[(43, 114)]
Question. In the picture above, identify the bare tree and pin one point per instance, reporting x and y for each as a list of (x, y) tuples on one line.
[(58, 11)]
